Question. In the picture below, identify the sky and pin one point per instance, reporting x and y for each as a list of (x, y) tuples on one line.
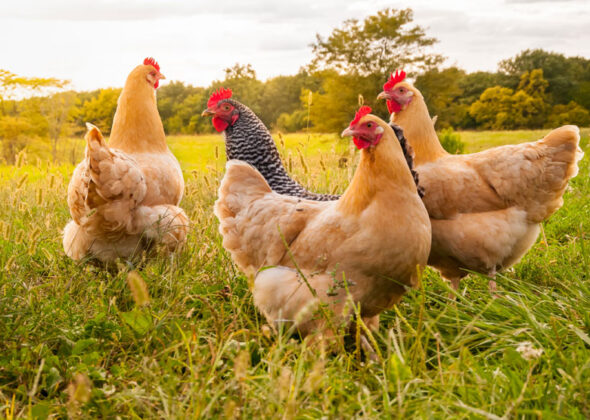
[(95, 44)]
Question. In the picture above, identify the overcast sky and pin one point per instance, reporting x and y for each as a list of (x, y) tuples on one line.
[(96, 43)]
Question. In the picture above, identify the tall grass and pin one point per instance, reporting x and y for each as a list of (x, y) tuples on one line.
[(179, 337)]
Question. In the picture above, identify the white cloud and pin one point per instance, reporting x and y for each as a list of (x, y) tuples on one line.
[(96, 43)]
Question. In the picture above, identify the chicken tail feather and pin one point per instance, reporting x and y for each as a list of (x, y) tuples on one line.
[(562, 151), (116, 185)]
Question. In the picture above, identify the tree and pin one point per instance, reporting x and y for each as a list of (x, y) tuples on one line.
[(562, 73), (334, 105), (582, 94), (25, 122), (500, 108), (493, 108), (571, 113), (296, 121), (100, 110), (180, 107), (473, 84), (241, 79), (442, 93), (281, 95), (356, 59), (376, 46), (170, 96), (13, 132), (533, 83), (57, 110), (526, 111), (12, 85), (533, 108)]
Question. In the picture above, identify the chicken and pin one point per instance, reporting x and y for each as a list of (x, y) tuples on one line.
[(247, 139), (486, 207), (124, 196), (373, 241)]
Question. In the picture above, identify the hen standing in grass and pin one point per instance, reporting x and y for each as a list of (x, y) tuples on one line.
[(247, 139), (486, 207), (376, 236), (123, 196)]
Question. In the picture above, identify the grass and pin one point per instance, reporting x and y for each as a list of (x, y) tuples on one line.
[(75, 342)]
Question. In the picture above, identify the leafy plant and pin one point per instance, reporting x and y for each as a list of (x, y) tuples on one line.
[(451, 141)]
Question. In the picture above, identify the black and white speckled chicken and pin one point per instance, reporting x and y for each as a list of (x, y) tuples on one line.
[(247, 139)]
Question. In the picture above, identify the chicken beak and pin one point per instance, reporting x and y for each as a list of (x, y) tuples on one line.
[(348, 132), (161, 76), (207, 113), (384, 95)]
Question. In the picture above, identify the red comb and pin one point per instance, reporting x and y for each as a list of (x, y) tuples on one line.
[(400, 75), (364, 110), (218, 95), (150, 61)]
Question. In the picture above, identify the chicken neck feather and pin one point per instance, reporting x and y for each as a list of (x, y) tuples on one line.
[(419, 130), (382, 170), (137, 127)]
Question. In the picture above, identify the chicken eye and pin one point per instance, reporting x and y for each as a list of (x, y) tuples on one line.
[(369, 125), (226, 107), (153, 73)]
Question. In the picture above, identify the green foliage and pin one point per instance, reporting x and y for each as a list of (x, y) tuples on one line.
[(473, 84), (180, 108), (564, 74), (493, 107), (15, 135), (75, 344), (59, 112), (100, 109), (11, 84), (582, 94), (451, 141), (442, 93), (334, 105), (352, 61), (290, 123), (244, 84), (502, 108), (533, 84), (449, 93), (378, 45), (281, 96), (571, 113)]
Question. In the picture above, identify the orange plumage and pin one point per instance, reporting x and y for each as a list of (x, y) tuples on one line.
[(124, 196), (485, 207), (377, 235)]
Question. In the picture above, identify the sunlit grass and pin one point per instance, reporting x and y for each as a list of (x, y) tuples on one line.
[(481, 140), (73, 341)]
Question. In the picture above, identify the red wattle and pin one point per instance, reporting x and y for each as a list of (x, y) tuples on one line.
[(156, 84), (219, 124), (393, 106), (360, 143)]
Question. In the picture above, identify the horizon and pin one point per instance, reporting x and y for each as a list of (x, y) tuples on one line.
[(117, 36)]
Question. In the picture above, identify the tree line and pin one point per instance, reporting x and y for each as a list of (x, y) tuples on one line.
[(533, 89)]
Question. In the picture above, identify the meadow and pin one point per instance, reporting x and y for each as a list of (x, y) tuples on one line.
[(179, 337)]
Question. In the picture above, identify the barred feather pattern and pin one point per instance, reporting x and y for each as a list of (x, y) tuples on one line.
[(250, 141), (409, 155)]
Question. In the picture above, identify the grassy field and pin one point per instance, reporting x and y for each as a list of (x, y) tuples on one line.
[(75, 342)]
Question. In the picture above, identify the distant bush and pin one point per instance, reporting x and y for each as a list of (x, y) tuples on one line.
[(571, 113), (451, 141), (293, 122)]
